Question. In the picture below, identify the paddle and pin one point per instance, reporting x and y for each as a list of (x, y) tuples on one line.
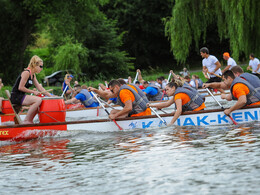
[(120, 128), (64, 91), (164, 122), (136, 76), (106, 104), (252, 71), (169, 77), (234, 122)]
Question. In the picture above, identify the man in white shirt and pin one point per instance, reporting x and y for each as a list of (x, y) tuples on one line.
[(230, 62), (211, 65), (254, 65)]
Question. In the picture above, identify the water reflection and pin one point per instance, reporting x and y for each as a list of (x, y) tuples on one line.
[(172, 160), (36, 150)]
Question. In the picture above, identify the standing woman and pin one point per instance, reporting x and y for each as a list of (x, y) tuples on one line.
[(185, 97), (25, 80)]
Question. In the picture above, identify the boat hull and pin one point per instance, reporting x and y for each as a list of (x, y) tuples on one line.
[(199, 118)]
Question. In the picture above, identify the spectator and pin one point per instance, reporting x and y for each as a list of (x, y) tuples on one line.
[(185, 72)]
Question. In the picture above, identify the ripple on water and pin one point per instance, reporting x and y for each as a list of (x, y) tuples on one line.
[(173, 160)]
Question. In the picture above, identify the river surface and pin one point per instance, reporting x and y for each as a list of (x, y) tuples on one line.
[(172, 160)]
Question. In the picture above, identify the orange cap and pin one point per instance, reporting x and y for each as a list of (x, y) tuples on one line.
[(226, 54)]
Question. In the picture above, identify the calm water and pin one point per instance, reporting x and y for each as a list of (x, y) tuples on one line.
[(173, 160), (212, 160)]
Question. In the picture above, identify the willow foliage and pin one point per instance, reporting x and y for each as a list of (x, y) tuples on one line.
[(236, 20), (68, 56)]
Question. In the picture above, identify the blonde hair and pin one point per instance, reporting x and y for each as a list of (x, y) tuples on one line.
[(66, 76), (35, 60), (179, 83)]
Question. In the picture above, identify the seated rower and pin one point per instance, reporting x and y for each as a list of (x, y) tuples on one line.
[(131, 98), (83, 96), (107, 94), (152, 92), (25, 80), (196, 82), (66, 87), (241, 90), (137, 83), (185, 97), (238, 72), (160, 81)]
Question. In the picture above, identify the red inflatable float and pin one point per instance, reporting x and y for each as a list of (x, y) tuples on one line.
[(52, 110)]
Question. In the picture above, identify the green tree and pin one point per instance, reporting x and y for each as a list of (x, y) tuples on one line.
[(99, 55), (141, 23), (77, 21), (17, 24), (235, 22)]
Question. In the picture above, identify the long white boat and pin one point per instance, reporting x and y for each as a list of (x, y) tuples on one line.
[(198, 118), (77, 112)]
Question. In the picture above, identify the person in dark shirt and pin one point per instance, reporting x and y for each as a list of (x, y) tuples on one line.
[(24, 81)]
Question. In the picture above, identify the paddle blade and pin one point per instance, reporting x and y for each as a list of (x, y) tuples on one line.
[(234, 122), (120, 128)]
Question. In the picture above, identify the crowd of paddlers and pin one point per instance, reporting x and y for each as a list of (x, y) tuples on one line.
[(137, 96)]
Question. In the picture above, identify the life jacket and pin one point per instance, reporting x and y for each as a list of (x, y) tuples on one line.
[(252, 79), (89, 99), (28, 83), (156, 97), (196, 100), (140, 92), (139, 105), (193, 90), (200, 83), (254, 93)]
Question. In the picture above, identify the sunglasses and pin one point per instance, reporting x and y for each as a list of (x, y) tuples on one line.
[(41, 66)]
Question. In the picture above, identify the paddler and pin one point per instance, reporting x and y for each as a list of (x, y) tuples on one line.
[(185, 97), (83, 96), (238, 72), (152, 91), (66, 87), (131, 98), (241, 90), (25, 80)]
